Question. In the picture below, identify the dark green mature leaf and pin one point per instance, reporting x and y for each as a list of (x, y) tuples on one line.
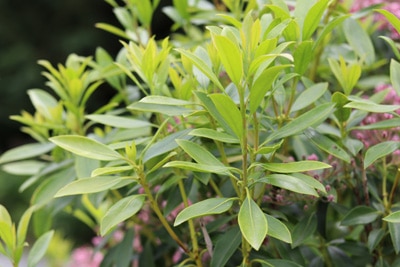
[(121, 211), (85, 147), (374, 238), (214, 135), (360, 215), (341, 113), (118, 121), (253, 223), (290, 183), (228, 110), (204, 208), (89, 185), (200, 167), (277, 263), (262, 85), (226, 245), (385, 124), (313, 18), (394, 230), (359, 40), (199, 153), (299, 124), (395, 75), (39, 249), (309, 96), (380, 150), (278, 229), (25, 152), (298, 166), (303, 230), (370, 106), (327, 145), (395, 21)]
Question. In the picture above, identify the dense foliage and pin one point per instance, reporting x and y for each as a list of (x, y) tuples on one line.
[(260, 133)]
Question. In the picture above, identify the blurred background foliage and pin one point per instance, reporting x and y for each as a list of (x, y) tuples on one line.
[(51, 30)]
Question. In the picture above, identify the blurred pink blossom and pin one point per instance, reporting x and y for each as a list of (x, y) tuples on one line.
[(86, 257)]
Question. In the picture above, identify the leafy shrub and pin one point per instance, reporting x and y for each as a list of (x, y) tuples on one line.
[(259, 134)]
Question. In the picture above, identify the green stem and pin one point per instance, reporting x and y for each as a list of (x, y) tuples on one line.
[(193, 236), (393, 190), (384, 186)]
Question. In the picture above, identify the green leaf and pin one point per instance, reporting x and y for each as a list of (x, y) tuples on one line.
[(374, 238), (85, 147), (39, 249), (253, 223), (290, 183), (25, 152), (26, 167), (157, 108), (311, 118), (23, 225), (368, 105), (203, 67), (392, 18), (112, 29), (341, 113), (359, 40), (302, 57), (385, 124), (360, 215), (204, 208), (298, 166), (313, 18), (327, 145), (121, 211), (304, 229), (223, 170), (199, 153), (327, 29), (395, 75), (43, 102), (393, 217), (109, 170), (262, 85), (278, 230), (231, 57), (89, 185), (118, 121), (269, 149), (226, 246), (228, 110), (214, 135), (379, 150), (5, 216), (394, 230), (309, 96)]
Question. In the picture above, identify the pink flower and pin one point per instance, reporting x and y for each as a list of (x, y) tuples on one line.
[(86, 257)]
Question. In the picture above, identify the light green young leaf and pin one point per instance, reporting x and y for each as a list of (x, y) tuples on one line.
[(25, 152), (204, 208), (253, 223), (289, 182), (278, 230), (313, 18), (118, 121), (385, 124), (229, 112), (214, 135), (393, 19), (298, 166), (368, 105), (269, 149), (89, 185), (39, 249), (157, 108), (231, 57), (110, 170), (395, 75), (311, 118), (309, 96), (121, 211), (359, 40), (379, 150), (302, 57), (5, 216), (43, 102), (360, 215), (327, 145), (25, 167), (85, 147), (203, 67), (23, 225), (327, 29), (393, 217)]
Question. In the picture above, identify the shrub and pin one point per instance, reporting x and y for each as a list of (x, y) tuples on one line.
[(257, 134)]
